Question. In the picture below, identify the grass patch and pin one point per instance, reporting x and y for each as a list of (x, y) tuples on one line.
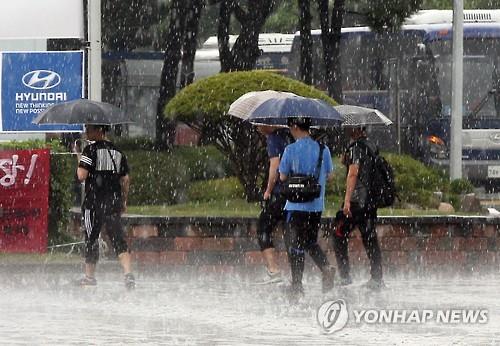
[(229, 208), (241, 208)]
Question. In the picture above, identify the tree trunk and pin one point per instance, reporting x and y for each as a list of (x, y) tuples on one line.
[(335, 88), (330, 38), (169, 71), (305, 68), (190, 42), (245, 52), (225, 55)]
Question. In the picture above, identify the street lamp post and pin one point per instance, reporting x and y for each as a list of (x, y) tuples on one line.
[(457, 91), (94, 38)]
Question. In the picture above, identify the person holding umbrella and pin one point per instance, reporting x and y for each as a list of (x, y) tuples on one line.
[(273, 202), (104, 169), (356, 210), (303, 218)]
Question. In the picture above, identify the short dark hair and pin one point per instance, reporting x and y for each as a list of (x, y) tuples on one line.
[(303, 123), (103, 128)]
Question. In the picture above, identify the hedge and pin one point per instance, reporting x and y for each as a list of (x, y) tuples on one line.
[(416, 184), (159, 177)]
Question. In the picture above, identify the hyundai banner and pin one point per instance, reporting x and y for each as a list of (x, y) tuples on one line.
[(24, 200), (32, 81)]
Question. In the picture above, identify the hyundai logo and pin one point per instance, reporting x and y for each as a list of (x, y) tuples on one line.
[(495, 137), (41, 79)]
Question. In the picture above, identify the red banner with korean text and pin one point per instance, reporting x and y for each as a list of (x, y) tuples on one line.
[(24, 200)]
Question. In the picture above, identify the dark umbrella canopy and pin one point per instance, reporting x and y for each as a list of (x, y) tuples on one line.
[(274, 108), (82, 111)]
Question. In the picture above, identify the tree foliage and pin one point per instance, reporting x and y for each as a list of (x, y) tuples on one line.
[(204, 104), (387, 15)]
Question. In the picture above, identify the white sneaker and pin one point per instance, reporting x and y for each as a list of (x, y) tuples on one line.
[(271, 278)]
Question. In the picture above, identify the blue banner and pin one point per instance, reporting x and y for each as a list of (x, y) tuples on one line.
[(33, 81)]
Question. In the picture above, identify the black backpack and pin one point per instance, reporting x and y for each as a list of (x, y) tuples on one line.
[(300, 188), (382, 186)]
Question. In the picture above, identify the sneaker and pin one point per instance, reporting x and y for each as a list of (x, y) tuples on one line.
[(271, 278), (345, 281), (328, 278), (375, 285), (129, 281), (295, 292), (86, 281)]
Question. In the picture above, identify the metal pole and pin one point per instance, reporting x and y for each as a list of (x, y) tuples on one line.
[(398, 107), (457, 91), (94, 37)]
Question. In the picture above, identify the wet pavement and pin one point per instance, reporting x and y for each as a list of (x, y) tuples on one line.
[(193, 306)]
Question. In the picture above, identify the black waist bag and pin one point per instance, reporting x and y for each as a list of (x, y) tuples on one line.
[(299, 188)]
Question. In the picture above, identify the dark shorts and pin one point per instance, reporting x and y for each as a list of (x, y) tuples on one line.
[(271, 215), (92, 221)]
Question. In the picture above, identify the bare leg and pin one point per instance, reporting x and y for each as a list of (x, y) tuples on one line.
[(126, 262), (270, 258), (90, 270)]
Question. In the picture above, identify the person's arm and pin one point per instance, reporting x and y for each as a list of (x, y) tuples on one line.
[(125, 185), (284, 167), (86, 161), (352, 177), (82, 174), (327, 159), (274, 163)]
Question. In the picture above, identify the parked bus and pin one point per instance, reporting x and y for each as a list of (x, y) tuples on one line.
[(407, 75)]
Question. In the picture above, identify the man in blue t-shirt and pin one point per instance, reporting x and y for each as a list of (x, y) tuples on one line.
[(303, 219), (273, 203)]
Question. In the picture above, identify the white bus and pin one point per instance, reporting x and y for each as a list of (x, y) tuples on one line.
[(407, 75)]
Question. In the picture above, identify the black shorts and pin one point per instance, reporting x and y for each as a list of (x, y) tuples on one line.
[(271, 215), (92, 221)]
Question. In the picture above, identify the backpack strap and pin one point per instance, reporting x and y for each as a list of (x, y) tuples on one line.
[(112, 159), (320, 160)]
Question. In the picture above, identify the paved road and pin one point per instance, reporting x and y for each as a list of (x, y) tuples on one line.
[(38, 305)]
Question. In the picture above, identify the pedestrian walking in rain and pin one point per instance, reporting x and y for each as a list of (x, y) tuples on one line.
[(273, 203), (104, 169), (357, 210), (303, 218)]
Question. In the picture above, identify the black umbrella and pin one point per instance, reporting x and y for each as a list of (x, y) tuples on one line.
[(82, 111)]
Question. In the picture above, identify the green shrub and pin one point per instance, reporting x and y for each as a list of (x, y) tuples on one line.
[(133, 143), (161, 177), (416, 182), (461, 186), (204, 162), (62, 172), (156, 178), (215, 190)]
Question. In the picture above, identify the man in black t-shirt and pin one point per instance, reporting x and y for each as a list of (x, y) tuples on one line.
[(104, 169), (357, 211)]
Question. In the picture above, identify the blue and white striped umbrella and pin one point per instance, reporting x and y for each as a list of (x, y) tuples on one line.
[(274, 108)]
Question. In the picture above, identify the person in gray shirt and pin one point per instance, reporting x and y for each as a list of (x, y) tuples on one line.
[(357, 210)]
